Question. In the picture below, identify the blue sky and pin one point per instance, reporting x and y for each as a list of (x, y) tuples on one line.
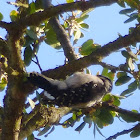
[(105, 24)]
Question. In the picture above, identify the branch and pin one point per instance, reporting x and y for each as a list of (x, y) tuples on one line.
[(37, 18), (94, 58), (63, 39), (41, 116), (134, 115), (124, 132), (4, 24), (113, 68)]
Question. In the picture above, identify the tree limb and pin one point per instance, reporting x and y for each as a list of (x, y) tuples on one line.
[(38, 17), (63, 39), (96, 57), (41, 116)]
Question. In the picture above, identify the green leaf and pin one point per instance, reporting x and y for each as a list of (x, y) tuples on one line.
[(132, 17), (3, 84), (39, 4), (111, 75), (28, 54), (130, 64), (82, 18), (131, 87), (107, 97), (69, 1), (14, 15), (28, 41), (32, 8), (52, 129), (84, 25), (80, 127), (1, 16), (88, 120), (32, 103), (114, 99), (125, 54), (86, 12), (126, 11), (31, 34), (88, 47), (96, 128), (122, 80), (120, 74), (69, 122), (135, 133), (51, 38), (105, 71), (77, 35), (45, 130), (128, 118), (106, 117)]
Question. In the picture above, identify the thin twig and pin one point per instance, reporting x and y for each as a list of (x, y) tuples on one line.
[(124, 132), (37, 62)]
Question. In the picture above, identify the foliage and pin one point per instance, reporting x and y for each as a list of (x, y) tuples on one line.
[(74, 24)]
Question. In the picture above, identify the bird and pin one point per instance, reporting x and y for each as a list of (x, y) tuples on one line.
[(77, 91)]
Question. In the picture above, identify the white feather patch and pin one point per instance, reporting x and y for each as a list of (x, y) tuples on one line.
[(49, 96)]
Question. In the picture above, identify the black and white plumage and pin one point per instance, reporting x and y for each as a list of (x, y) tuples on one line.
[(78, 91)]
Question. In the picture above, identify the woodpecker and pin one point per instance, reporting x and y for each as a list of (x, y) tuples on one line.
[(77, 91)]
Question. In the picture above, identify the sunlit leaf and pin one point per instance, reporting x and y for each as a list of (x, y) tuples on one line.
[(88, 47), (82, 18), (105, 71), (14, 15), (77, 35), (51, 38), (1, 16), (32, 8), (87, 11), (122, 80), (84, 25), (111, 75), (69, 1), (130, 64), (120, 74), (3, 84), (32, 103)]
